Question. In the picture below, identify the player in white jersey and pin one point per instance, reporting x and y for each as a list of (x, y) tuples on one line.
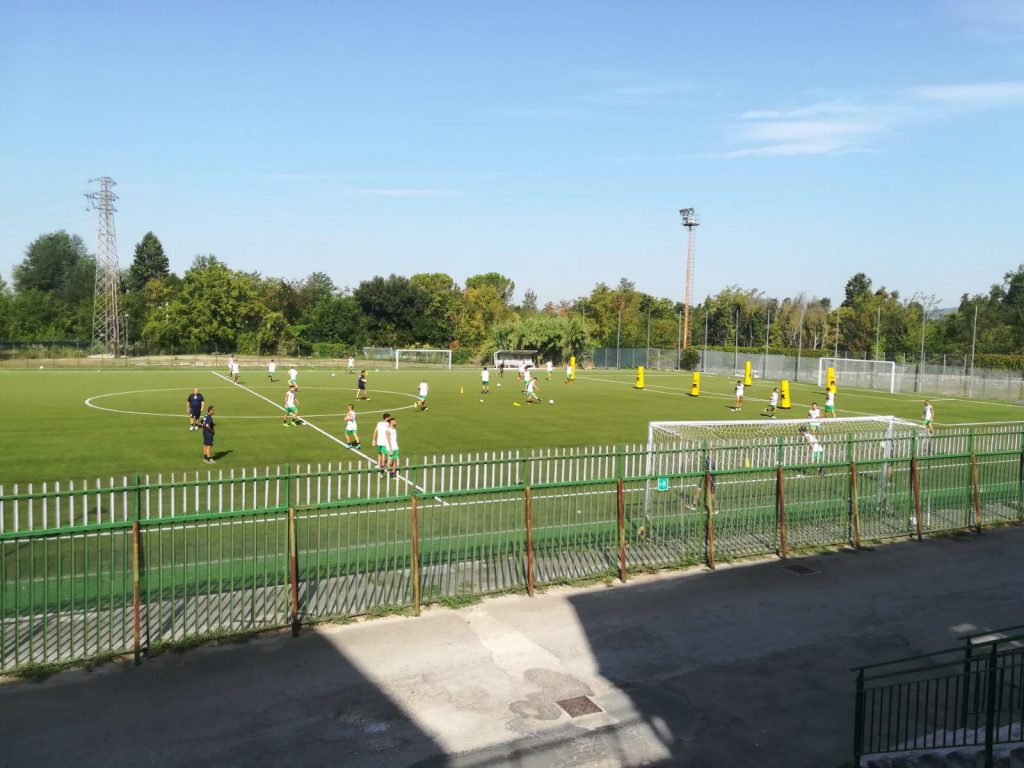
[(235, 369), (568, 373), (928, 416), (814, 417), (380, 441), (485, 381), (291, 406), (421, 398), (271, 369), (830, 404), (392, 443), (773, 403), (531, 392), (739, 397), (293, 378), (550, 367), (817, 449), (527, 378), (351, 365), (351, 430)]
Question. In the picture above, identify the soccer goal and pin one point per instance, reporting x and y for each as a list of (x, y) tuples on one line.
[(423, 358), (864, 374), (681, 446), (513, 358)]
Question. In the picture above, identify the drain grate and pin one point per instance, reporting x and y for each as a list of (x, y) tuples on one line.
[(580, 705), (800, 570)]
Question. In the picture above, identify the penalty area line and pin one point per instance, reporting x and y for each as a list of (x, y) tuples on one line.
[(326, 434)]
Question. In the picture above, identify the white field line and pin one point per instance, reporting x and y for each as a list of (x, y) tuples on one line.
[(328, 435)]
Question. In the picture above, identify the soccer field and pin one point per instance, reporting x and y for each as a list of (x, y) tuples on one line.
[(95, 423)]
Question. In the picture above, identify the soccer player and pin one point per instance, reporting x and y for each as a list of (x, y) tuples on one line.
[(208, 435), (194, 408), (929, 416), (531, 391), (817, 449), (814, 417), (271, 369), (830, 404), (291, 406), (773, 402), (522, 371), (501, 370), (392, 438), (568, 373), (551, 367), (361, 386), (421, 400), (351, 365), (485, 381), (293, 378), (351, 430), (380, 441), (527, 378), (235, 369), (739, 396)]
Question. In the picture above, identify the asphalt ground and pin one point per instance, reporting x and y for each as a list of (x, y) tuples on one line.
[(748, 665)]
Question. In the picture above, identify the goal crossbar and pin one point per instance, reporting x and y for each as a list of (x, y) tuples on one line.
[(864, 374)]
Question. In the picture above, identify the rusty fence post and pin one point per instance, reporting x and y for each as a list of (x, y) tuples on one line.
[(854, 505), (529, 541), (622, 529), (780, 508), (416, 597), (136, 593), (976, 492), (293, 572), (709, 509), (915, 485)]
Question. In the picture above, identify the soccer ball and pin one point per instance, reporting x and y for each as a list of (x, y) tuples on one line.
[(481, 400), (332, 375), (40, 367), (551, 402), (499, 385)]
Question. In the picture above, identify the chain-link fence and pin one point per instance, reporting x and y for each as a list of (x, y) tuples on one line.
[(950, 375)]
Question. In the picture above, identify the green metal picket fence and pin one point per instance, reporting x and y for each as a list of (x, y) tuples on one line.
[(290, 545)]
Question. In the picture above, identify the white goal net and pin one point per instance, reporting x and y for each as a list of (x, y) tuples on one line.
[(681, 446), (862, 374), (423, 358)]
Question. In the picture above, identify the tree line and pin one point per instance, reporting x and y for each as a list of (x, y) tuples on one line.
[(212, 307)]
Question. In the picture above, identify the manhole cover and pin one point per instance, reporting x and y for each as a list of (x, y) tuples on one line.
[(579, 705), (800, 570)]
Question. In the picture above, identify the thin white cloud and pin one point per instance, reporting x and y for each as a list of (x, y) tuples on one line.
[(830, 107), (974, 94), (788, 138)]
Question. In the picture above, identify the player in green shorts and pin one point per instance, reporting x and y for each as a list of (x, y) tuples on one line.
[(351, 430), (392, 436), (814, 417), (380, 441), (291, 406), (830, 404)]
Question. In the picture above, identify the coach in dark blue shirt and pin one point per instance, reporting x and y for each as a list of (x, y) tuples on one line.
[(194, 408)]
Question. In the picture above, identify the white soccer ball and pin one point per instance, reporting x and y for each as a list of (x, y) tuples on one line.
[(551, 402), (332, 375), (499, 385), (481, 400), (40, 367)]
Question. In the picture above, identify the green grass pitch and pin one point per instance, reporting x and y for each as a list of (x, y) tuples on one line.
[(83, 423)]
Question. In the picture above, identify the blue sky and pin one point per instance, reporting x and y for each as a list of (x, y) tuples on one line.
[(551, 141)]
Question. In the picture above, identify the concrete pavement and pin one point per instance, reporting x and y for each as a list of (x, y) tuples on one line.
[(744, 666)]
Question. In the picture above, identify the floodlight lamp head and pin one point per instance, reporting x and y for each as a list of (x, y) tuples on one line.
[(690, 218)]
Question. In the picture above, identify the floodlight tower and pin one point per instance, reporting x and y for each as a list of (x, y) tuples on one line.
[(691, 221), (105, 320)]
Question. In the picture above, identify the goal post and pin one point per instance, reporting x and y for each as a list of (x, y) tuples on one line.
[(862, 374), (423, 358), (685, 448)]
